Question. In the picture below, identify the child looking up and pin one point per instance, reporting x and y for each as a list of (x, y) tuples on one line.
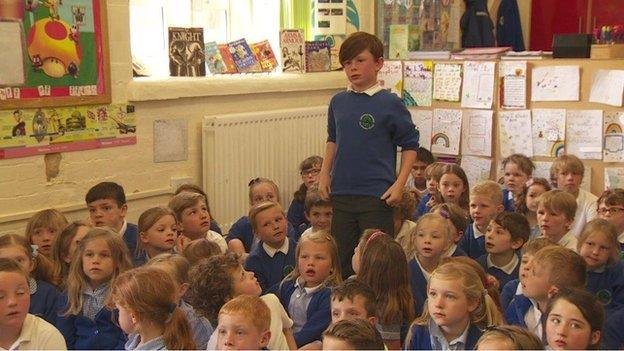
[(569, 171), (317, 211), (555, 215), (611, 208), (535, 187), (43, 294), (504, 238), (365, 126), (20, 330), (244, 324), (158, 231), (433, 172), (43, 228), (305, 292), (309, 170), (145, 299), (83, 318), (64, 248), (485, 204), (192, 188), (352, 334), (457, 309), (518, 170)]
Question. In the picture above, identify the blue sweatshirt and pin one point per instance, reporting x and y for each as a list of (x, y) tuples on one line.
[(243, 231), (508, 293), (473, 247), (43, 302), (367, 130), (608, 286), (418, 284), (421, 338), (296, 216), (271, 270), (422, 208), (502, 276), (613, 336)]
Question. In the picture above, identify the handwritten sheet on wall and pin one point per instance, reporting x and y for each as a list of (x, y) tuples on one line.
[(477, 169), (477, 132), (446, 131), (478, 85), (514, 132), (542, 169), (513, 76), (584, 133), (423, 119), (548, 131), (417, 83), (607, 87), (391, 77), (555, 83), (447, 78), (614, 177), (613, 137)]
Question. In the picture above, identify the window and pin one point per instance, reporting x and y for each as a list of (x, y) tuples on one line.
[(223, 21)]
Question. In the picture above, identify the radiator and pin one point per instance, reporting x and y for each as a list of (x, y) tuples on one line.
[(268, 144)]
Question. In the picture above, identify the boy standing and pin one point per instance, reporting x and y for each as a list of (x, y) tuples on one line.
[(107, 206), (365, 125), (486, 201)]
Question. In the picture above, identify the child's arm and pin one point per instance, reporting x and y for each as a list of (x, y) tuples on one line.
[(290, 338), (317, 320), (392, 196), (326, 167)]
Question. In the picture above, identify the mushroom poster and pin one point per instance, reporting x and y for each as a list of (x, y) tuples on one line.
[(66, 54)]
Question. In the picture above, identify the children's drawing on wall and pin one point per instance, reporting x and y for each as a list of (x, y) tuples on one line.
[(555, 83), (446, 131), (423, 121), (513, 84), (391, 77), (614, 177), (447, 79), (478, 85), (584, 133), (613, 137), (477, 132), (515, 133), (607, 87), (417, 83), (548, 130), (477, 169)]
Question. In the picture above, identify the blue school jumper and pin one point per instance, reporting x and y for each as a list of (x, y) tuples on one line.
[(296, 216), (508, 201), (201, 329), (502, 276), (421, 338), (318, 313), (130, 238), (509, 292), (422, 208), (473, 247), (82, 333), (608, 286), (613, 335), (271, 270), (418, 284), (458, 252), (44, 300), (517, 309), (243, 231)]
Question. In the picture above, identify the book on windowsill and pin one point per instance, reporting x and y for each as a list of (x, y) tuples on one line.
[(317, 56), (486, 53), (429, 55), (292, 47), (264, 55), (244, 58), (186, 52), (527, 55)]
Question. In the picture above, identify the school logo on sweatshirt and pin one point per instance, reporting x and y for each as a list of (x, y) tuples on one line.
[(604, 297), (367, 121)]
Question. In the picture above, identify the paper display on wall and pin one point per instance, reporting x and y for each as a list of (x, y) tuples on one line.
[(477, 168), (548, 127), (170, 140), (446, 131), (417, 83), (390, 77), (584, 133), (542, 169), (513, 84), (555, 83), (447, 81), (331, 17), (614, 177), (514, 133), (613, 137), (476, 133), (12, 71), (423, 121), (478, 90), (607, 87)]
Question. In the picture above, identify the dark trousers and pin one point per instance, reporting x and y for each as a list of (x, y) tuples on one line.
[(353, 214)]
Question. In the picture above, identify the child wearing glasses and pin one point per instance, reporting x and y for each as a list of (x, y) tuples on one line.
[(309, 170), (611, 208)]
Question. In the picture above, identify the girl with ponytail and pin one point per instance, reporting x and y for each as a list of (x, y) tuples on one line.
[(145, 299)]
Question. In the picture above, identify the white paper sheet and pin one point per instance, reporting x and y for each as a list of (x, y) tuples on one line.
[(584, 133), (417, 83), (477, 133), (548, 127), (423, 121), (614, 177), (478, 85), (613, 136), (513, 76), (170, 140), (542, 169), (514, 133), (477, 169), (447, 81), (391, 77), (446, 131), (12, 72), (607, 87), (555, 83)]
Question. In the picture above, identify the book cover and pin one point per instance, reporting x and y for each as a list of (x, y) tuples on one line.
[(334, 41), (264, 55), (404, 38), (317, 56), (243, 57), (292, 43), (186, 52), (391, 77), (214, 61), (228, 60)]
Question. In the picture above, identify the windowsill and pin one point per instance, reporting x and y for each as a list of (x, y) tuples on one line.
[(169, 88)]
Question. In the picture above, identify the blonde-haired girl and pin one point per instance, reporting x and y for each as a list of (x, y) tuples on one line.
[(42, 229), (458, 308)]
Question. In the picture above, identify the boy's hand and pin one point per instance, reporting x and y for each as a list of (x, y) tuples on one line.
[(324, 182), (393, 195)]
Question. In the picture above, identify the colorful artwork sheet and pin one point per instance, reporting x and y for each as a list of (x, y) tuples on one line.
[(613, 150), (548, 131), (447, 79), (477, 169), (417, 83), (514, 133), (513, 84), (423, 121), (446, 131), (555, 83), (476, 136), (584, 133), (478, 85), (607, 87), (391, 77)]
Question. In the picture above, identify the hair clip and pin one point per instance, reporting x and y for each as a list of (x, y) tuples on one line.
[(373, 236), (35, 250), (253, 181), (444, 213), (172, 306)]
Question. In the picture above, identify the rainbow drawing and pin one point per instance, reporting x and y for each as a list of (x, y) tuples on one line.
[(557, 148), (613, 128), (441, 136)]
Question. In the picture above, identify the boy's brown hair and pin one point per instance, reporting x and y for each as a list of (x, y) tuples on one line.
[(567, 268), (434, 170), (490, 189), (516, 224), (313, 198), (534, 245), (519, 337), (567, 163), (351, 288), (211, 284), (184, 200), (558, 201), (261, 207), (358, 333), (49, 218), (523, 162), (358, 42), (106, 191), (200, 249), (405, 209), (612, 197), (175, 264), (252, 307)]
